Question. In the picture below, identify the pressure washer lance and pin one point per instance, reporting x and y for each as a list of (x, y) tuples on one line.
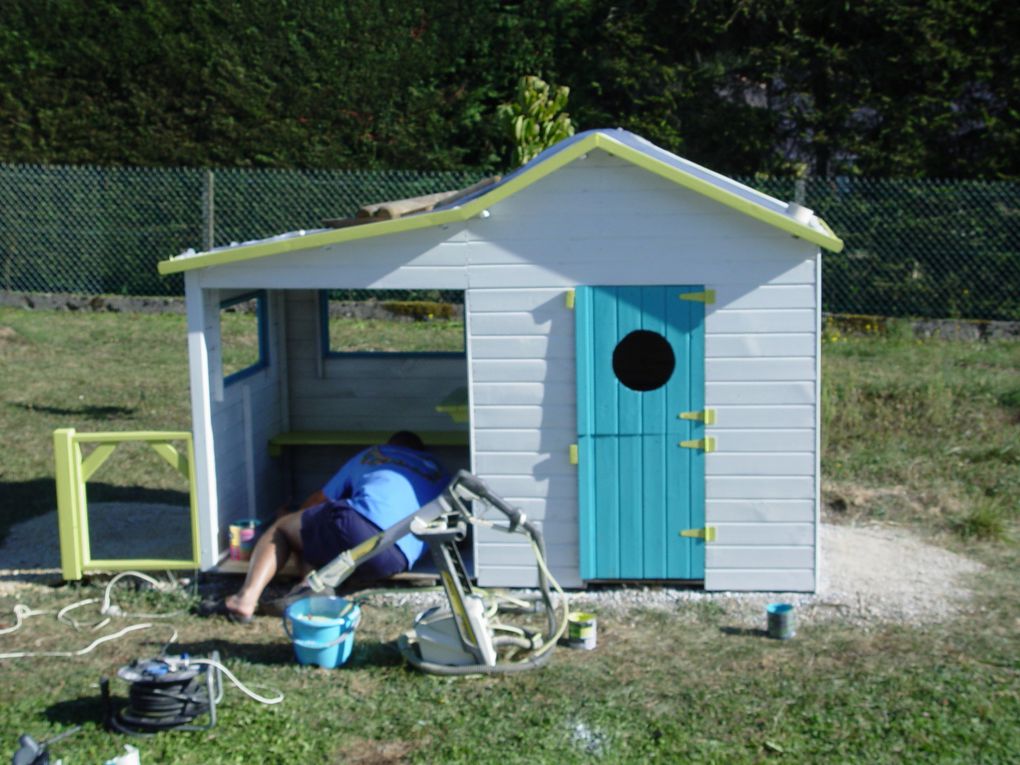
[(32, 752), (165, 693)]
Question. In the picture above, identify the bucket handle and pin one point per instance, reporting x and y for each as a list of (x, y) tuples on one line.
[(312, 644)]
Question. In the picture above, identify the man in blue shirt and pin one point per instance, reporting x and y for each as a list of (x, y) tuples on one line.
[(371, 492)]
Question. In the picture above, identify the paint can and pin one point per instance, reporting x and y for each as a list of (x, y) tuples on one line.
[(242, 538), (582, 630), (781, 623)]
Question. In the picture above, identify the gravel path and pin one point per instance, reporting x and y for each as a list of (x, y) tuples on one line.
[(870, 574)]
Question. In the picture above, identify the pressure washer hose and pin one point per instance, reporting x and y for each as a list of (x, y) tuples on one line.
[(538, 657)]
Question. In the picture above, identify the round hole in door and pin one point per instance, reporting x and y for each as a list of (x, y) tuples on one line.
[(643, 360)]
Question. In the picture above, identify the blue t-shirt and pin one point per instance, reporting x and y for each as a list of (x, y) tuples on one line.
[(386, 484)]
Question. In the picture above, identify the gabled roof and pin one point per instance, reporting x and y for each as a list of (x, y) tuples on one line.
[(785, 216)]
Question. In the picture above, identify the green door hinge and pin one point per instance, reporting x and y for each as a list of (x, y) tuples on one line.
[(570, 299), (707, 533), (706, 444), (708, 296), (573, 454), (706, 416)]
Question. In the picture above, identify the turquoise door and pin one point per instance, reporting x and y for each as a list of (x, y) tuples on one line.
[(640, 390)]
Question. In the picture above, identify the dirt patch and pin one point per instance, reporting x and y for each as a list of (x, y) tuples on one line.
[(366, 752), (8, 336)]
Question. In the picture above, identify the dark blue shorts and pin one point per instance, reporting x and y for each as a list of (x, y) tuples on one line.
[(330, 528)]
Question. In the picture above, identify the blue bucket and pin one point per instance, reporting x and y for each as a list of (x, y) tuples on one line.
[(322, 629)]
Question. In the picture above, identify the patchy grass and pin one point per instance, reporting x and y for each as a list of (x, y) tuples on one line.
[(663, 686), (919, 433), (923, 431)]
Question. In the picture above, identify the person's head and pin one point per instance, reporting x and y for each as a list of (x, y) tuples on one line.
[(408, 440)]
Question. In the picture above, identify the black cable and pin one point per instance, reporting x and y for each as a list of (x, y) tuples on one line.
[(166, 703)]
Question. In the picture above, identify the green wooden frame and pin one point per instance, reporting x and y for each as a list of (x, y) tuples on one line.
[(74, 469)]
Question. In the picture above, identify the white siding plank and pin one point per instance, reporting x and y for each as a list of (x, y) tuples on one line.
[(759, 370), (723, 464), (718, 556), (519, 324), (764, 511), (738, 297), (524, 439), (758, 441), (759, 322), (765, 417), (776, 345), (524, 416), (765, 534), (520, 300), (558, 347), (522, 554), (759, 487), (521, 370), (720, 393), (522, 394), (539, 465), (760, 580)]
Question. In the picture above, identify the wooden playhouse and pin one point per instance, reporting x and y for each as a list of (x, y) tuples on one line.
[(640, 370)]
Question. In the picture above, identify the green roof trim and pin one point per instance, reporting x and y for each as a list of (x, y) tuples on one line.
[(538, 169)]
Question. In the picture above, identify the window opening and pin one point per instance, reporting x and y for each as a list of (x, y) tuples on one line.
[(408, 322), (643, 360), (244, 346)]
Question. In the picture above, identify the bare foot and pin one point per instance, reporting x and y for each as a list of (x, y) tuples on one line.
[(239, 607)]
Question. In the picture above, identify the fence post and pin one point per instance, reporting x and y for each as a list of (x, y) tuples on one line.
[(800, 191), (208, 211)]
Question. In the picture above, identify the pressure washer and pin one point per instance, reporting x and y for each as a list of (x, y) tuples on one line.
[(466, 637)]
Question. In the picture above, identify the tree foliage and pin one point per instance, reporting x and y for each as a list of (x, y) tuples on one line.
[(536, 119), (821, 87)]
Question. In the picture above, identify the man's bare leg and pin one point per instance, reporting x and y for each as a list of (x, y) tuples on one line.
[(270, 555)]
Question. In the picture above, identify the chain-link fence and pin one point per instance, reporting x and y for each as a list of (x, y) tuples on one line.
[(932, 249)]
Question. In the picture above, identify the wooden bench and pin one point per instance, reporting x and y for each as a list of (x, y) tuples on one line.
[(359, 438)]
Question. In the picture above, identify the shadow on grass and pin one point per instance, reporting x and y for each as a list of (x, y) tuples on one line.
[(88, 709), (22, 500), (744, 632), (94, 412)]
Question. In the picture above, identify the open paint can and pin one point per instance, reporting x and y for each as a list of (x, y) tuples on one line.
[(582, 630), (781, 624), (242, 538)]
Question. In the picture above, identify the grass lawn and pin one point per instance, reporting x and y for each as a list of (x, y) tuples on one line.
[(922, 434)]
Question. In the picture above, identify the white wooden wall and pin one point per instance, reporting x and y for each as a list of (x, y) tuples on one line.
[(601, 221), (232, 422), (387, 392)]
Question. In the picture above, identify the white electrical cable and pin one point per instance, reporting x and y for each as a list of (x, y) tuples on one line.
[(115, 610), (240, 686), (80, 652), (21, 612)]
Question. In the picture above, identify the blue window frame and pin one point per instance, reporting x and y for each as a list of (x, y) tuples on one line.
[(328, 342), (238, 347)]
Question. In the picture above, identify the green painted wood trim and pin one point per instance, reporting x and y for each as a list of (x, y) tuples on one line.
[(509, 187), (360, 438), (142, 564), (133, 435), (67, 515), (174, 458), (778, 220), (95, 460), (72, 472)]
